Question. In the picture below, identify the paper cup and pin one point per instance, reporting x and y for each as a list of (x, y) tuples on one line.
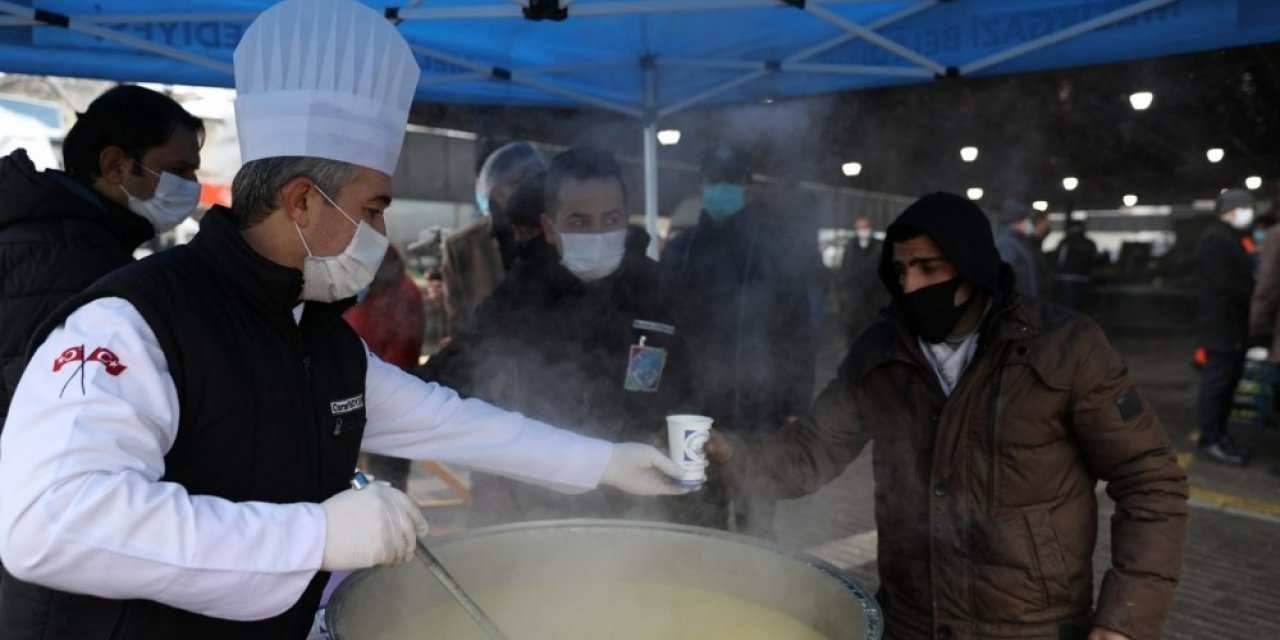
[(686, 435)]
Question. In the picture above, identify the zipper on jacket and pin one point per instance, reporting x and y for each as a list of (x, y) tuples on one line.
[(997, 378)]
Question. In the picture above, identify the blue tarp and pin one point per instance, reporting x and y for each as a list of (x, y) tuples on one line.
[(697, 51)]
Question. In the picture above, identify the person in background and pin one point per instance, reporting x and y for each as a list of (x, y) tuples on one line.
[(1257, 236), (1018, 244), (1074, 260), (436, 327), (478, 255), (389, 318), (575, 336), (745, 319), (1225, 275), (525, 209), (178, 457), (131, 161), (861, 296), (1264, 318), (992, 418)]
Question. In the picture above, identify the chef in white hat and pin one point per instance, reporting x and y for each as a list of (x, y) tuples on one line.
[(177, 455)]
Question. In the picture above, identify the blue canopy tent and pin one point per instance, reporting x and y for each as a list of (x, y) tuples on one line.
[(648, 58)]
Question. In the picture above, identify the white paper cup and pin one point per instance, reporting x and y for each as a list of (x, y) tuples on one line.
[(686, 435)]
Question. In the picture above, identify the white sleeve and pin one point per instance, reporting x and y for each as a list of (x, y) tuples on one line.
[(409, 418), (84, 509)]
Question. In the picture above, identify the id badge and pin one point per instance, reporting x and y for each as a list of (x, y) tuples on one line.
[(644, 367)]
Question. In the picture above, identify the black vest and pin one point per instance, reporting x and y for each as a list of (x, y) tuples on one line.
[(270, 410)]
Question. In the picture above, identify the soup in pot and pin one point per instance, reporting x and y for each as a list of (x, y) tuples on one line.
[(617, 611)]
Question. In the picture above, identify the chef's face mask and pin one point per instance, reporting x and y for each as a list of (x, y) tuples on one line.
[(932, 312), (175, 198), (331, 278)]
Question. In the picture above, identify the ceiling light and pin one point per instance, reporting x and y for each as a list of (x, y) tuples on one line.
[(969, 154), (1130, 200), (668, 137), (1141, 100), (1215, 154), (1040, 205), (974, 193), (1253, 182), (1070, 183), (851, 168)]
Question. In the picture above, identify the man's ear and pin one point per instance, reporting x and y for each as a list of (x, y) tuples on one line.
[(548, 229), (295, 200), (964, 293), (112, 162)]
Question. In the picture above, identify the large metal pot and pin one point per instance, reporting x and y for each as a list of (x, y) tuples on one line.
[(372, 605)]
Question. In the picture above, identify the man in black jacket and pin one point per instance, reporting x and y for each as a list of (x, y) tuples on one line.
[(744, 316), (178, 459), (575, 336), (130, 160), (1074, 260), (860, 294), (1222, 321)]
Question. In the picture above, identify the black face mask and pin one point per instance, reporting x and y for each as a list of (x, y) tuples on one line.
[(931, 311)]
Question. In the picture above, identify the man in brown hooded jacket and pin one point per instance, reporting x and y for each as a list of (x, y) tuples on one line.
[(992, 420)]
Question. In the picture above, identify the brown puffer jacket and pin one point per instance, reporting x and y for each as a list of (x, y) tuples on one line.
[(985, 501)]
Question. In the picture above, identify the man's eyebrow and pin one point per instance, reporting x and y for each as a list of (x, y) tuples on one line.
[(383, 199)]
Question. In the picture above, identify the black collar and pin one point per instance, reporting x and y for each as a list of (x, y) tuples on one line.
[(267, 284)]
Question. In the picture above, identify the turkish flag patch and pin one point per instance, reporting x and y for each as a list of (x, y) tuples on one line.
[(109, 360), (69, 355)]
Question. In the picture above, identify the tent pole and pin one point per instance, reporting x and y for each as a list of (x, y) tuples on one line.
[(826, 15), (651, 156), (1065, 34), (651, 185), (111, 35), (795, 58)]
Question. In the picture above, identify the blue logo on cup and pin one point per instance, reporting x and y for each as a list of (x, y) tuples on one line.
[(694, 442)]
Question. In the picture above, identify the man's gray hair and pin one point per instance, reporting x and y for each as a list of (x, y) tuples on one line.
[(255, 191)]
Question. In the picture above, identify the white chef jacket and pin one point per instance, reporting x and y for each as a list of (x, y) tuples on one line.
[(83, 509)]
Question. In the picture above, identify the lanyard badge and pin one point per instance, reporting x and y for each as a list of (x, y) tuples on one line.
[(644, 367)]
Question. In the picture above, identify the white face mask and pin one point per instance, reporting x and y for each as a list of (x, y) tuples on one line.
[(1241, 218), (592, 256), (863, 234), (175, 199), (332, 278)]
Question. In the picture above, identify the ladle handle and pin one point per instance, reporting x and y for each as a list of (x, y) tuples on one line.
[(433, 564)]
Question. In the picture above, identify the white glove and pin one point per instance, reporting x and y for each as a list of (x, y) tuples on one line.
[(372, 526), (642, 470)]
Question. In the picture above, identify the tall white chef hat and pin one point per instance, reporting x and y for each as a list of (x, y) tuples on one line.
[(326, 79)]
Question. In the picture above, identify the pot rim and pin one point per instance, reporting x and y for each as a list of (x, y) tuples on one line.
[(870, 608)]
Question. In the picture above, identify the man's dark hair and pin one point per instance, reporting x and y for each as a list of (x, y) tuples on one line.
[(255, 190), (580, 163), (128, 116)]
